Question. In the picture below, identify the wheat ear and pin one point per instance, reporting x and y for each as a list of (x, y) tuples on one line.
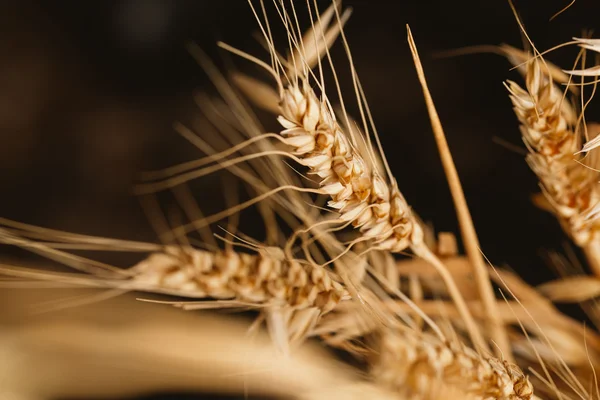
[(362, 197), (248, 280), (263, 279), (427, 369), (548, 129), (293, 294)]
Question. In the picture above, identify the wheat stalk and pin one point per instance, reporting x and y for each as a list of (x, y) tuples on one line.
[(469, 234)]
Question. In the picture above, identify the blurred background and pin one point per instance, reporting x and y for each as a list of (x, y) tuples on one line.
[(89, 92)]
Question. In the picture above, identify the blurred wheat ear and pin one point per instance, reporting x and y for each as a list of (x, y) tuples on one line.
[(121, 347)]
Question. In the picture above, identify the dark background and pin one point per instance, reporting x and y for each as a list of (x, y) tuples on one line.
[(89, 91)]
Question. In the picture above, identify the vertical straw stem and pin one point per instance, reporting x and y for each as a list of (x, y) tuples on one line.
[(471, 242)]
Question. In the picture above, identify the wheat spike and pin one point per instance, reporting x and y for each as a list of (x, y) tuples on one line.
[(358, 190), (360, 194), (423, 369), (547, 126), (292, 294), (266, 278)]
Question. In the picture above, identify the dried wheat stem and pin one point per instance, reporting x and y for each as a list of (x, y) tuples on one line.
[(422, 368), (469, 235)]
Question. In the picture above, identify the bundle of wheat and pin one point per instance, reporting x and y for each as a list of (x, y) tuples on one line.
[(421, 327)]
